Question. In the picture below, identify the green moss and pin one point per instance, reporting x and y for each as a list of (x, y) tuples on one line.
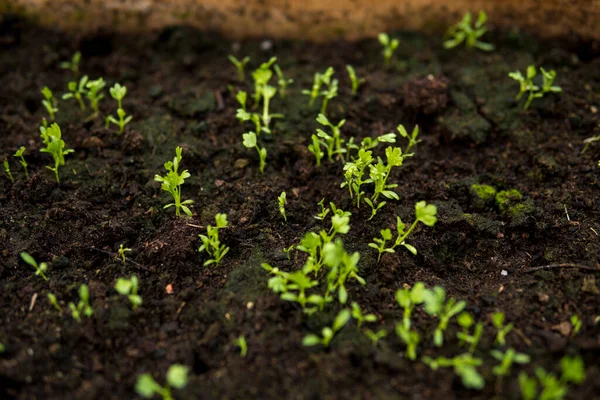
[(506, 198), (482, 195)]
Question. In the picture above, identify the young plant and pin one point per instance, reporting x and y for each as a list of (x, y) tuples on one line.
[(333, 144), (19, 154), (424, 213), (243, 345), (7, 171), (239, 66), (506, 361), (171, 183), (408, 299), (466, 321), (552, 388), (526, 84), (52, 138), (464, 32), (211, 243), (576, 323), (77, 91), (330, 93), (318, 81), (315, 148), (354, 80), (49, 102), (73, 64), (118, 92), (464, 365), (412, 138), (380, 173), (503, 330), (436, 304), (262, 75), (129, 288), (389, 47), (249, 141), (177, 378), (242, 98), (121, 252), (281, 81), (94, 94), (328, 333), (324, 210), (40, 269), (54, 302), (358, 315), (282, 201), (411, 338), (341, 264), (264, 91), (243, 116), (354, 174), (83, 306), (375, 336)]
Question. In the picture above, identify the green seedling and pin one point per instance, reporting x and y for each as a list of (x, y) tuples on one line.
[(264, 91), (410, 338), (83, 306), (241, 343), (464, 365), (408, 299), (73, 64), (94, 94), (330, 93), (40, 269), (239, 66), (324, 210), (285, 283), (424, 213), (341, 265), (19, 154), (328, 333), (262, 75), (77, 91), (7, 171), (49, 102), (466, 321), (118, 92), (121, 252), (576, 323), (281, 81), (177, 378), (243, 116), (551, 387), (315, 148), (211, 242), (242, 98), (268, 92), (318, 81), (526, 84), (249, 141), (129, 288), (55, 146), (470, 35), (54, 302), (389, 47), (358, 315), (412, 138), (354, 80), (354, 174), (282, 201), (171, 183), (436, 304), (333, 143), (288, 251), (507, 359), (375, 336), (503, 330), (380, 173)]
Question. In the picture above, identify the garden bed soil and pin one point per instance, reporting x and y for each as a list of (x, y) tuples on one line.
[(473, 131)]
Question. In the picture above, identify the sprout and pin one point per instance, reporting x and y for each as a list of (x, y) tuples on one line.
[(40, 269), (464, 32), (249, 141), (282, 201), (121, 252), (83, 306), (358, 315), (51, 137), (7, 171), (73, 64), (129, 288), (239, 66), (526, 84), (241, 343), (77, 91), (54, 303), (328, 333), (375, 336), (436, 304), (177, 377), (506, 361), (333, 144), (389, 47), (49, 102), (19, 154), (281, 81), (118, 92), (354, 80), (464, 366), (503, 330), (211, 242), (171, 183), (94, 94)]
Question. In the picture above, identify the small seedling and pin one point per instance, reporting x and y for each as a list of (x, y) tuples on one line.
[(333, 143), (506, 361), (282, 201), (324, 210), (49, 102), (19, 154), (40, 269), (354, 174), (239, 66), (412, 138), (72, 65), (464, 32), (526, 84), (551, 387), (281, 81), (436, 304), (330, 93), (354, 80), (177, 378), (375, 336), (243, 116), (121, 252), (315, 148), (129, 288), (318, 81), (328, 333), (389, 47), (464, 365), (503, 330), (54, 302), (7, 171), (94, 94), (410, 338), (358, 315), (241, 343), (261, 76), (576, 323), (171, 183), (242, 98), (466, 321), (51, 137), (211, 243), (249, 141), (408, 299), (77, 91), (118, 92), (83, 306)]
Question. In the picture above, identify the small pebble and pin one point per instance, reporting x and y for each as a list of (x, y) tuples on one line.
[(504, 272)]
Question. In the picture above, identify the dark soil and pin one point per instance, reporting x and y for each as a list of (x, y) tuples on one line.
[(473, 131)]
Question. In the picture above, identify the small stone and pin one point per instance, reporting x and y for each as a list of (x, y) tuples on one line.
[(543, 298), (219, 182), (504, 272), (564, 328), (92, 142), (241, 163)]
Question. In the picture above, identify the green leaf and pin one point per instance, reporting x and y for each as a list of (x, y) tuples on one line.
[(311, 340), (249, 139), (123, 286), (341, 320), (146, 386), (29, 260), (426, 213), (410, 248), (177, 376)]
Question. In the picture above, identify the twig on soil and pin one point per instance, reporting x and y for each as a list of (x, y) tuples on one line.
[(565, 265)]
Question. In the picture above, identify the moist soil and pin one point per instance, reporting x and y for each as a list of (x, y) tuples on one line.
[(535, 259)]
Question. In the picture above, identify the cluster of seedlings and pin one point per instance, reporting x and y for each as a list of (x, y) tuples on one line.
[(327, 271)]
